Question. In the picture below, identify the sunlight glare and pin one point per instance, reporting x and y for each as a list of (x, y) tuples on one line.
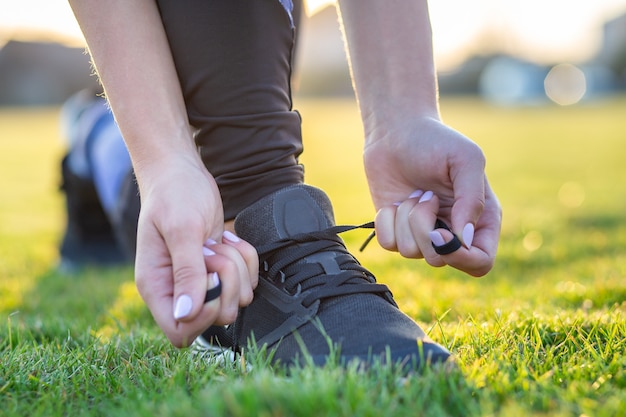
[(537, 30), (39, 20), (313, 6)]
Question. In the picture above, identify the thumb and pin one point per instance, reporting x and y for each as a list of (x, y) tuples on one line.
[(189, 275), (469, 202)]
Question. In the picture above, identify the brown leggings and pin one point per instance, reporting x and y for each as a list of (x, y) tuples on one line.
[(234, 63), (234, 60)]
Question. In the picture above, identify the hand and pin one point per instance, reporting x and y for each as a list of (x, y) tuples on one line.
[(423, 170), (182, 212)]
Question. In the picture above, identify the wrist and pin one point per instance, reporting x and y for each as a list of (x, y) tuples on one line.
[(395, 121), (152, 168), (152, 145)]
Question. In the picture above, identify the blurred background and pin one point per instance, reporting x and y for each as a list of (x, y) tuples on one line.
[(509, 52)]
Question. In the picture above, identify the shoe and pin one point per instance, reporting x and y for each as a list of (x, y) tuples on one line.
[(313, 296), (89, 237), (215, 345)]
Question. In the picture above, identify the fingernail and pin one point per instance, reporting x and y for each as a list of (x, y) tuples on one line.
[(215, 289), (426, 197), (230, 236), (416, 193), (468, 235), (214, 280), (436, 238), (209, 242), (183, 307), (207, 252)]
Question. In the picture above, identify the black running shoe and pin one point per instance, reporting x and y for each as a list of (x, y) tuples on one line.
[(313, 294)]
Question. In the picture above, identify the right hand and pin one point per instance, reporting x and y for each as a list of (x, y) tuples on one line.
[(181, 209)]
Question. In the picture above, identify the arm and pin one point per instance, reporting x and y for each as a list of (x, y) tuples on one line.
[(181, 206), (130, 52), (408, 150), (389, 47)]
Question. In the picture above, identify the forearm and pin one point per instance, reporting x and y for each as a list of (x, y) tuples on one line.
[(131, 54), (389, 45)]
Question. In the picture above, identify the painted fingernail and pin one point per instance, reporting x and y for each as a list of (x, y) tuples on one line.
[(183, 307), (230, 236), (215, 288), (436, 238), (426, 197), (416, 194), (214, 280), (209, 242), (207, 252), (468, 235)]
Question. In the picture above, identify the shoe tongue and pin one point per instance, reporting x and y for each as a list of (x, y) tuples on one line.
[(290, 211)]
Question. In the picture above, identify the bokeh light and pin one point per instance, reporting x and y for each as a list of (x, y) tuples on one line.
[(571, 194), (532, 241), (565, 84)]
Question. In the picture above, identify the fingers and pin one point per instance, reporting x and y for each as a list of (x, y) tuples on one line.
[(439, 242), (421, 224), (154, 275), (392, 229), (191, 280), (476, 260), (249, 256), (487, 234), (229, 270), (385, 226), (235, 261), (407, 245), (411, 228), (188, 270), (468, 179)]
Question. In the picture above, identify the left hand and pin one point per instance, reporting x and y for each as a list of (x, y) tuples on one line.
[(420, 155)]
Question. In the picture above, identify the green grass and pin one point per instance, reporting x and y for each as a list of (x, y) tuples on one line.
[(544, 334)]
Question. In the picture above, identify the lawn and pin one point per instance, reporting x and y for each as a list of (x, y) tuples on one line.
[(543, 334)]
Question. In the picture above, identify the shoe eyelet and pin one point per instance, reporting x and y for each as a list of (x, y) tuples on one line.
[(295, 293)]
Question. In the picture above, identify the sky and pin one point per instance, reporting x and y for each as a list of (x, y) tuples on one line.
[(540, 30)]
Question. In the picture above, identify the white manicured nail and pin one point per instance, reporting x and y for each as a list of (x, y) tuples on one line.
[(231, 236), (426, 196), (209, 242), (436, 238), (183, 307), (214, 280), (207, 252), (416, 194), (468, 235)]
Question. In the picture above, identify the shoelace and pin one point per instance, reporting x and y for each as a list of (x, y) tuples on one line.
[(324, 277), (353, 278)]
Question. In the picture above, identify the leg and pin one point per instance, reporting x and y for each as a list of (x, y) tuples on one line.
[(233, 59), (89, 237), (226, 111)]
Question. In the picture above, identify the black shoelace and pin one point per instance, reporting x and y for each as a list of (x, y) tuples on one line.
[(324, 277), (283, 256)]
